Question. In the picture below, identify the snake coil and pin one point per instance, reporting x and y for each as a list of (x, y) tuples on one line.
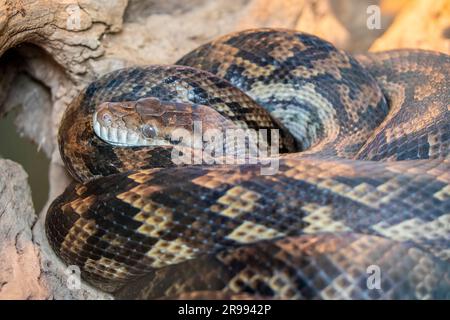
[(362, 186)]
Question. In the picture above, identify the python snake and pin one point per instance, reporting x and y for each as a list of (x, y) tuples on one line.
[(362, 186)]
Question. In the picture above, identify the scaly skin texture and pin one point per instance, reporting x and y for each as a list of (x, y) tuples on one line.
[(316, 227)]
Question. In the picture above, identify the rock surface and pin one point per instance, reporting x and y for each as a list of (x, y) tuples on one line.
[(20, 270)]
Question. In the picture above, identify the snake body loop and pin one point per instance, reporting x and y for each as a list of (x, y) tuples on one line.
[(362, 184)]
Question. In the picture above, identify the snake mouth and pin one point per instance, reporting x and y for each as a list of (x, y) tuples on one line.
[(122, 137)]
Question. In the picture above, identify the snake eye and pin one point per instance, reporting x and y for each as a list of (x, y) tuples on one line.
[(107, 119), (148, 131)]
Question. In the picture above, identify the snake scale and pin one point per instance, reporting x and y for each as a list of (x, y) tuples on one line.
[(362, 184)]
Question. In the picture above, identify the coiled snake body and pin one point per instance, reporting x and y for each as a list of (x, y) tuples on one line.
[(359, 206)]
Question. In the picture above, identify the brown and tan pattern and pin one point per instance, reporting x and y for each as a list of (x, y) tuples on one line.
[(364, 181)]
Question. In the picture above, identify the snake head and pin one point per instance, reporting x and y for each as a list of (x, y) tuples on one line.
[(150, 121), (132, 123)]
